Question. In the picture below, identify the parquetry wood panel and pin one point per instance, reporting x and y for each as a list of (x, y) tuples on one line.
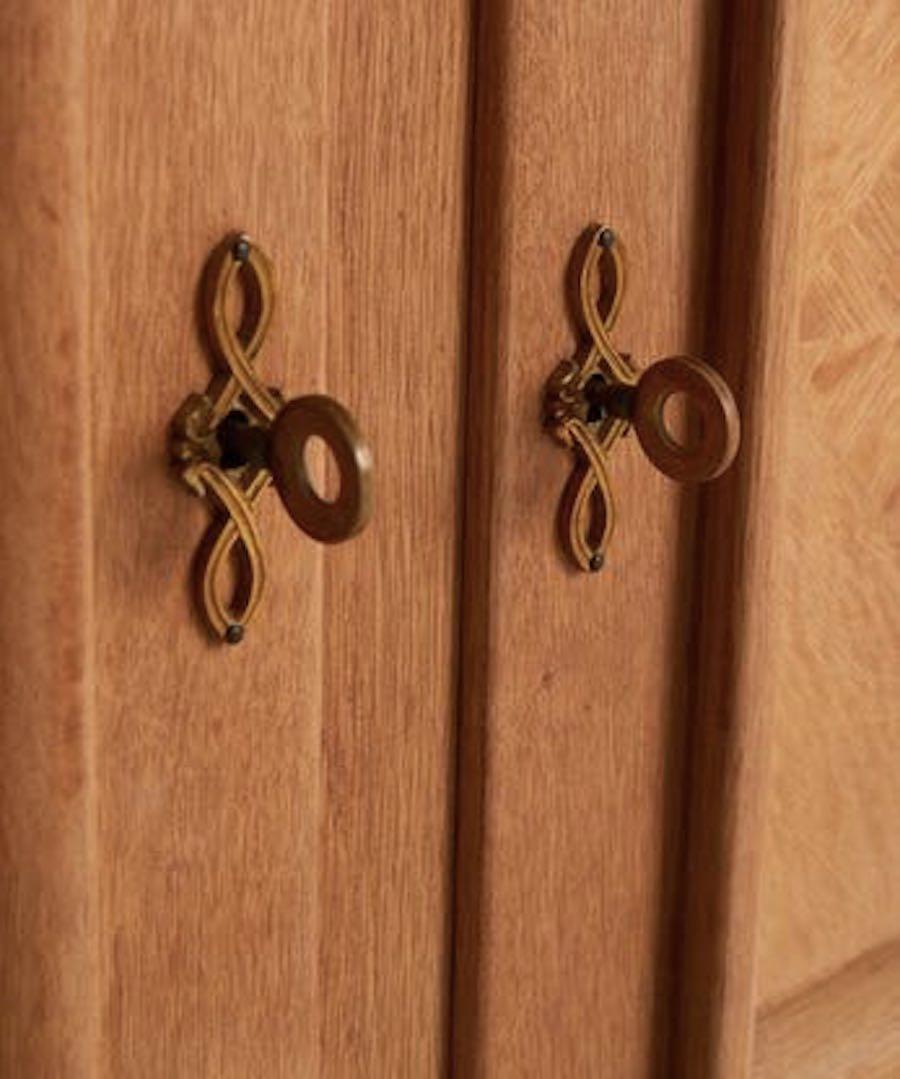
[(573, 684), (847, 1025), (270, 890), (832, 874)]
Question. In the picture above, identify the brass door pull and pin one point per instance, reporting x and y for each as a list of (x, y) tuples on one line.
[(230, 442), (595, 398)]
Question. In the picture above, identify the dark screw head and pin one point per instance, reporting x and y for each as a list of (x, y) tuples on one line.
[(234, 634), (241, 249), (596, 562), (606, 238)]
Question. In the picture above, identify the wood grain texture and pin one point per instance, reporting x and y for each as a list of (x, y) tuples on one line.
[(208, 757), (831, 887), (751, 315), (844, 1027), (398, 110), (572, 696), (271, 880), (48, 895)]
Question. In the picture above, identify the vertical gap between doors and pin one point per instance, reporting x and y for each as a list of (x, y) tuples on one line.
[(705, 215), (483, 185), (712, 959)]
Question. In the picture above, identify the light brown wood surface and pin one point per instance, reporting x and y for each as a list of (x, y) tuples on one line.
[(240, 862), (831, 884), (228, 862), (49, 987), (573, 684), (398, 110)]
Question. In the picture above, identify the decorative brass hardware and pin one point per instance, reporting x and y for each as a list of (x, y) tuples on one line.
[(596, 397), (230, 442)]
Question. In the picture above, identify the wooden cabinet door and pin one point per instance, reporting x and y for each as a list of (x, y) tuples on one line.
[(226, 862), (574, 685), (613, 823)]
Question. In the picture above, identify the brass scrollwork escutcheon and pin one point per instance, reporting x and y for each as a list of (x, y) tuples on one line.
[(230, 442), (598, 396)]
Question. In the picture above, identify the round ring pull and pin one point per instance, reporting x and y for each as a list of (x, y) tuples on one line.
[(713, 448), (300, 420)]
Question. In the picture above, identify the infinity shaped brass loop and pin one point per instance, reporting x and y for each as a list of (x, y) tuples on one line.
[(233, 440), (230, 261), (593, 399), (236, 526), (587, 507), (603, 258), (587, 514)]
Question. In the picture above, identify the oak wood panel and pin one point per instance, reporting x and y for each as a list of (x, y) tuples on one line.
[(202, 120), (269, 892), (844, 1027), (751, 315), (48, 1014), (573, 691), (398, 90), (831, 888)]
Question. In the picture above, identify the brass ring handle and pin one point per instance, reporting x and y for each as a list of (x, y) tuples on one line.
[(299, 421), (230, 442), (716, 441), (592, 400)]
